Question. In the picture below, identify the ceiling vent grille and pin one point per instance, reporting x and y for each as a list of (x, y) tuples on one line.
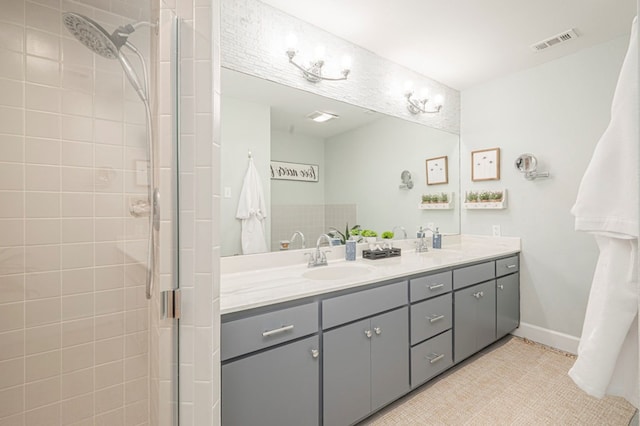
[(555, 40)]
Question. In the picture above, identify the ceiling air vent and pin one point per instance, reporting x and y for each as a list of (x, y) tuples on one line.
[(556, 39)]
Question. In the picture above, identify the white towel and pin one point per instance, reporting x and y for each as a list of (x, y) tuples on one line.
[(607, 206), (252, 211)]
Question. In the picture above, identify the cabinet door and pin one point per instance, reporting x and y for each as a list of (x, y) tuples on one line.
[(276, 387), (389, 357), (347, 373), (508, 304), (474, 319)]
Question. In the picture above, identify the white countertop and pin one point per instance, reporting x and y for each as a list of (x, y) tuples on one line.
[(258, 285)]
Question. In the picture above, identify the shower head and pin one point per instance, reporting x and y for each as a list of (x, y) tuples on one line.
[(92, 35), (98, 40)]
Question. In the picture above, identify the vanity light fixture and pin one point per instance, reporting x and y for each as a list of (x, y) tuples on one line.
[(321, 117), (313, 73), (422, 104)]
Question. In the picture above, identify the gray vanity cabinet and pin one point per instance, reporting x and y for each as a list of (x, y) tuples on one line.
[(365, 366), (474, 319), (276, 387), (507, 304)]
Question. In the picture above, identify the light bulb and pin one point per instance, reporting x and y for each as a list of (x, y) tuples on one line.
[(320, 52), (424, 93), (346, 62), (292, 41), (408, 86), (438, 100)]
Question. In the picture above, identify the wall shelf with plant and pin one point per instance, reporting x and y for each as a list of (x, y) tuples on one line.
[(437, 201), (477, 200)]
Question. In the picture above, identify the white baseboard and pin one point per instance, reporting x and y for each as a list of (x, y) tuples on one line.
[(554, 339)]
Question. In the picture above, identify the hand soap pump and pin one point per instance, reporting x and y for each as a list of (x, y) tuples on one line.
[(437, 239)]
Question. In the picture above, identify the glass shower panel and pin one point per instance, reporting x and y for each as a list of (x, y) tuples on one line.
[(75, 324)]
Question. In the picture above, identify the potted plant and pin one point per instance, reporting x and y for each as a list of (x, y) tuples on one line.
[(485, 196), (496, 196), (369, 235), (426, 199), (472, 197), (387, 236), (444, 197)]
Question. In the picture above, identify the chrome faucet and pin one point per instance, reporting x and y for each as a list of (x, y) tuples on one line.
[(404, 231), (318, 257), (293, 237), (421, 245)]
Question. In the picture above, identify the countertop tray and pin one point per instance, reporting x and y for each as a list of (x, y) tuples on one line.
[(381, 254)]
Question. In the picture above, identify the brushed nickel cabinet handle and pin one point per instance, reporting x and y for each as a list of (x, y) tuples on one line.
[(511, 266), (435, 318), (433, 358), (277, 330), (435, 286)]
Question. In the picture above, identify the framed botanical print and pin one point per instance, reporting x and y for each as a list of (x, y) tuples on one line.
[(485, 164), (437, 171)]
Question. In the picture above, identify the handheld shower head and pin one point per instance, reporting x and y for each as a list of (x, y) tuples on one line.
[(98, 40)]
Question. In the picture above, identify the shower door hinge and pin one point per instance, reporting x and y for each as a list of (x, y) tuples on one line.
[(171, 304)]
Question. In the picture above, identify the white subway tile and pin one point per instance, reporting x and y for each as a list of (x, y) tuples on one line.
[(76, 179), (108, 132), (42, 18), (135, 413), (42, 285), (11, 345), (109, 398), (76, 230), (11, 121), (77, 332), (42, 151), (77, 357), (76, 281), (74, 53), (135, 135), (12, 373), (42, 339), (42, 178), (77, 306), (42, 124), (110, 350), (42, 231), (11, 92), (109, 277), (109, 205), (109, 156), (14, 262), (108, 302), (136, 321), (77, 103), (42, 258), (77, 78), (11, 401), (76, 128), (76, 409), (77, 383), (11, 289), (110, 418), (108, 108), (42, 71), (42, 204), (43, 392), (108, 254), (136, 390), (78, 154), (11, 35), (109, 374), (41, 312), (73, 256), (12, 233), (11, 148), (12, 64), (12, 316), (43, 416), (42, 366), (39, 43)]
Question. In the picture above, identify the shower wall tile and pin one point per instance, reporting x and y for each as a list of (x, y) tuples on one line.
[(12, 92)]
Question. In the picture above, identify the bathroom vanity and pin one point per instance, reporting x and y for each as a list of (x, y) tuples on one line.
[(334, 349)]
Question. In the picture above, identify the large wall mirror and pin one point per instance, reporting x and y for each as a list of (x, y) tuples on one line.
[(359, 158)]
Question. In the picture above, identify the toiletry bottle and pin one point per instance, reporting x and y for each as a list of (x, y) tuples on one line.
[(350, 250), (437, 239)]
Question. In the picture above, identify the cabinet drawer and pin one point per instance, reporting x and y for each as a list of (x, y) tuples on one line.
[(429, 286), (507, 266), (464, 277), (430, 317), (261, 331), (431, 358), (342, 309)]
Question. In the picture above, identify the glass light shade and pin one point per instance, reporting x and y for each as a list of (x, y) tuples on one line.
[(320, 52), (292, 41), (346, 62), (438, 99), (424, 93), (408, 86)]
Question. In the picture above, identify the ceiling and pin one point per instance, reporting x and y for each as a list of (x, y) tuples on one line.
[(463, 43)]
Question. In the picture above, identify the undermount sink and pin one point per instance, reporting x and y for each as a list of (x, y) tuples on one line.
[(336, 272)]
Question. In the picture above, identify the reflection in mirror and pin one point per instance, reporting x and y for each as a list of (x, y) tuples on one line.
[(357, 156), (526, 163)]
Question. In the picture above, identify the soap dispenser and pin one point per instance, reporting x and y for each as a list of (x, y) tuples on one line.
[(437, 239)]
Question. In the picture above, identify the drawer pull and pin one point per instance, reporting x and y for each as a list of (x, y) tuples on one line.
[(511, 266), (378, 330), (435, 286), (478, 295), (277, 330), (368, 333), (315, 353), (500, 286), (433, 358), (435, 318)]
